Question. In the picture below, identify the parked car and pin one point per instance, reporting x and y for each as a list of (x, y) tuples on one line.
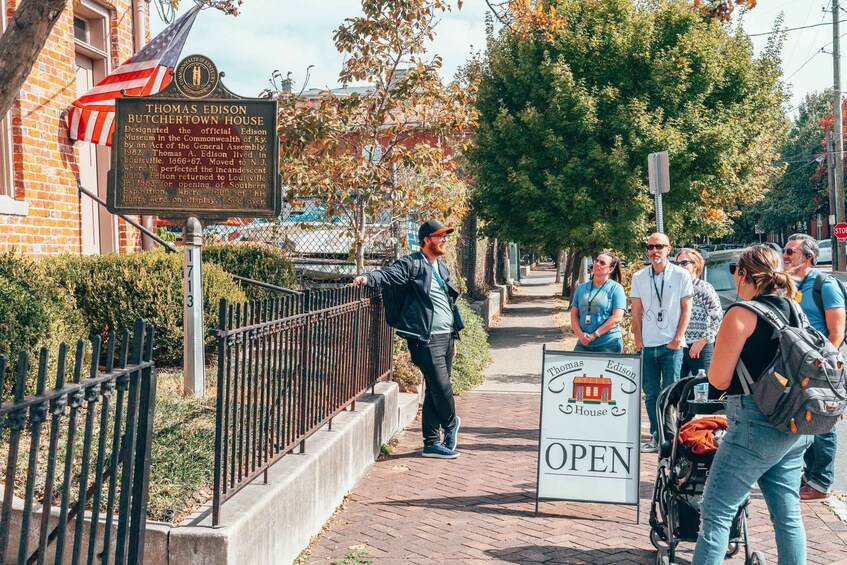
[(716, 272), (825, 255)]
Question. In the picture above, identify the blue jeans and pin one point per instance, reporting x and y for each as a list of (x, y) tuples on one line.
[(753, 451), (659, 368), (691, 366), (820, 461), (614, 346)]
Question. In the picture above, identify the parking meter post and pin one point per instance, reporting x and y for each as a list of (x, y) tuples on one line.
[(193, 369)]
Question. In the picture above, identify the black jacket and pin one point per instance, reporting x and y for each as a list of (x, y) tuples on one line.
[(416, 309)]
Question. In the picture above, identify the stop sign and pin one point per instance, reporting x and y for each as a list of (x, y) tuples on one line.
[(840, 231)]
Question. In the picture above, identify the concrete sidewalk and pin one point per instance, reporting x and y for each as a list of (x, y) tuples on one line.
[(480, 507)]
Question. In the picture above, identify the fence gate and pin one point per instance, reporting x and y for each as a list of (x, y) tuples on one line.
[(75, 454)]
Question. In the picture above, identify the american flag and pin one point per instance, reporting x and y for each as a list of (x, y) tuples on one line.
[(92, 116)]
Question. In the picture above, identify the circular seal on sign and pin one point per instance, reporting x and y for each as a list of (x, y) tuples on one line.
[(196, 76)]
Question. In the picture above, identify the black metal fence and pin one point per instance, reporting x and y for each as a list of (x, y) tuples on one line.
[(286, 366), (77, 456)]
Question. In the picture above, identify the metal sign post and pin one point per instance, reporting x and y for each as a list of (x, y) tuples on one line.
[(660, 182), (193, 346)]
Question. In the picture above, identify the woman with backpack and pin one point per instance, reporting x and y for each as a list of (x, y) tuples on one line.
[(753, 450)]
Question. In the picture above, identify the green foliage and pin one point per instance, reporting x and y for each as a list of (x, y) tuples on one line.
[(111, 291), (565, 127), (258, 262), (801, 191), (473, 354), (33, 311)]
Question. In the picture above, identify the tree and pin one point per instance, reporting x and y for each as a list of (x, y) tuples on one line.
[(800, 192), (565, 127), (386, 149), (26, 34)]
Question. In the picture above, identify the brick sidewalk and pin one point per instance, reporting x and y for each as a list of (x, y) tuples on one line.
[(480, 507)]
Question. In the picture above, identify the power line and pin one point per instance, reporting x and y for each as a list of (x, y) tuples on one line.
[(792, 29)]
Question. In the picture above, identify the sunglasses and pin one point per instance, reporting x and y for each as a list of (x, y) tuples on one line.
[(732, 268), (652, 246), (601, 263), (685, 263), (788, 251)]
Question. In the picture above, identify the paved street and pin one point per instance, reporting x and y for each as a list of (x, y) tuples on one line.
[(480, 507)]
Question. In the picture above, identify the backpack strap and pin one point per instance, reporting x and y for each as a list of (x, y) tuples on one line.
[(817, 291), (775, 320)]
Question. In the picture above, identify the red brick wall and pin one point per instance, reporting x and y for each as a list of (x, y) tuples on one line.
[(45, 162)]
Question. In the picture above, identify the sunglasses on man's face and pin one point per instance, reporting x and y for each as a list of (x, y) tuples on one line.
[(652, 246), (732, 268), (685, 262), (788, 251)]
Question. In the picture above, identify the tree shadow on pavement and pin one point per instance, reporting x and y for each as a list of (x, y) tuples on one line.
[(572, 556), (497, 503)]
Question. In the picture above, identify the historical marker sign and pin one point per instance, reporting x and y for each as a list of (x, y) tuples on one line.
[(195, 149)]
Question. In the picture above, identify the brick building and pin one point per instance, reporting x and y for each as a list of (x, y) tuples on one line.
[(41, 211)]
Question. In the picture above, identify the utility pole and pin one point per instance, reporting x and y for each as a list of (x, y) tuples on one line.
[(838, 170), (830, 169)]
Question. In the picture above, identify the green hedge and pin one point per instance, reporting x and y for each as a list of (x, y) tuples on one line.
[(34, 312), (258, 262), (473, 354), (111, 291)]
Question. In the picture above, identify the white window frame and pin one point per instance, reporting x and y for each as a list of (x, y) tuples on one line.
[(9, 205)]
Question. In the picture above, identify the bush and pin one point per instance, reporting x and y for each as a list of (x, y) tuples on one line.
[(33, 311), (111, 291), (258, 262), (473, 355)]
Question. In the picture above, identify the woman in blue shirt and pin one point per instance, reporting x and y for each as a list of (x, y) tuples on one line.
[(598, 306)]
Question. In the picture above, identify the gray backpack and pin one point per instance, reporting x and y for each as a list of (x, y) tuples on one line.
[(804, 389)]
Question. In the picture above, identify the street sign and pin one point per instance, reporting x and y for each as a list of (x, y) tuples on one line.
[(659, 172), (840, 231)]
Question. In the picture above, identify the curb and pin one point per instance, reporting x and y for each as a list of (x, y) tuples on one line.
[(838, 507)]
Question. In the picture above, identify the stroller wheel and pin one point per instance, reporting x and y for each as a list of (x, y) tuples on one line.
[(732, 549), (662, 559), (757, 558)]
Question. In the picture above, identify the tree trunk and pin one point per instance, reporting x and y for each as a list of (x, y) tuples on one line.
[(573, 271), (359, 246), (560, 263), (21, 43)]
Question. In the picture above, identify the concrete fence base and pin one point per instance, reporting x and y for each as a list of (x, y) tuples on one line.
[(494, 304)]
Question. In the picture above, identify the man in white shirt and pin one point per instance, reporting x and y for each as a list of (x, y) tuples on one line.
[(661, 296)]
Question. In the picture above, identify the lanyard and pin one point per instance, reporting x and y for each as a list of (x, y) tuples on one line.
[(658, 292), (591, 297)]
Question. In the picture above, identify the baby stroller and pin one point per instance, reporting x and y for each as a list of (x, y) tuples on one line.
[(681, 475)]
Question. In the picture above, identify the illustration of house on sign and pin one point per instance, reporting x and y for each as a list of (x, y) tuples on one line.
[(592, 390)]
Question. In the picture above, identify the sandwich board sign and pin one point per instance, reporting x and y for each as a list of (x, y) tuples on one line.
[(589, 441)]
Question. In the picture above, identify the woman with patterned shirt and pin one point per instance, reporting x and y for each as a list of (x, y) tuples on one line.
[(706, 316)]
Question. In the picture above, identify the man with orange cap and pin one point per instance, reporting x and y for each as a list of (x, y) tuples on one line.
[(420, 303)]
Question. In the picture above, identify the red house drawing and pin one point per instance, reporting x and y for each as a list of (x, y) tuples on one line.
[(592, 390)]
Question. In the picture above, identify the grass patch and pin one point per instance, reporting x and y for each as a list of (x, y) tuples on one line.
[(183, 458)]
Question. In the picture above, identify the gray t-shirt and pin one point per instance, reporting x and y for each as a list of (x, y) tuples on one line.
[(442, 318)]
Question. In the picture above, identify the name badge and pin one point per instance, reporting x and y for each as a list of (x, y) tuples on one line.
[(587, 319)]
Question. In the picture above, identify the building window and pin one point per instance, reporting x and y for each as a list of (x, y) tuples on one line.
[(8, 203)]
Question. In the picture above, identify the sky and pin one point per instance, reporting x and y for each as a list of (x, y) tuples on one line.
[(292, 35)]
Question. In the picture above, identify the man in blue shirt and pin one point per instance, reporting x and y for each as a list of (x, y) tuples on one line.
[(800, 255)]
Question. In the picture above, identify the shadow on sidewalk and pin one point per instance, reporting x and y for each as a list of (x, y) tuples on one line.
[(555, 554)]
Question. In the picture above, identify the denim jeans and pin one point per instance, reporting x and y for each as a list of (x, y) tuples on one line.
[(691, 366), (614, 346), (659, 368), (435, 360), (753, 451), (820, 461)]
